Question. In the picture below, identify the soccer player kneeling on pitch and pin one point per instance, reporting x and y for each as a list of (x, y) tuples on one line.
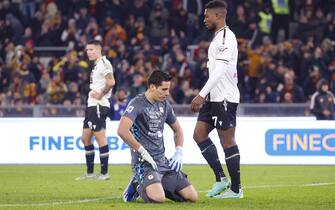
[(141, 127)]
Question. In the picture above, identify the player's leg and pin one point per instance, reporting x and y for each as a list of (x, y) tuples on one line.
[(155, 193), (178, 188), (99, 133), (150, 188), (89, 154), (89, 149), (208, 149), (232, 154), (189, 193), (100, 137), (86, 139)]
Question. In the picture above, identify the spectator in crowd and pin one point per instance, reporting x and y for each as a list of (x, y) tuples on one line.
[(118, 104), (82, 18), (177, 95), (140, 8), (137, 87), (15, 26), (158, 20), (56, 90), (67, 110), (73, 92), (266, 18), (323, 102), (281, 17), (19, 110), (70, 34), (4, 77), (310, 83), (291, 92), (28, 8)]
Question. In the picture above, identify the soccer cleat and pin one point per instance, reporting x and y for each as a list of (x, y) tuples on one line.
[(103, 177), (130, 193), (230, 194), (87, 177), (219, 187)]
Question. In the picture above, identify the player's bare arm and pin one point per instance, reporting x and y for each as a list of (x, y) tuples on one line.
[(178, 134), (110, 82), (124, 132)]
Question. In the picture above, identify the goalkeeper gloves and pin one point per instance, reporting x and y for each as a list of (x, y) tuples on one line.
[(147, 157), (176, 161)]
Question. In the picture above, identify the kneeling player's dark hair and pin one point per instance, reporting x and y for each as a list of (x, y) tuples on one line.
[(157, 77)]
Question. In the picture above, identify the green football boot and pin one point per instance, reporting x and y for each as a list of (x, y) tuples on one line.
[(219, 187)]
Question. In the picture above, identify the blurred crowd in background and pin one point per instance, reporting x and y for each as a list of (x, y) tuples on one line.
[(283, 52)]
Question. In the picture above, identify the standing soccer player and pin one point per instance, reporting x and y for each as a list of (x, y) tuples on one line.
[(101, 84), (218, 102), (141, 127)]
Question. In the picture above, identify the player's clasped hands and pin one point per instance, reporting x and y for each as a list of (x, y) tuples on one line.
[(147, 157), (176, 161)]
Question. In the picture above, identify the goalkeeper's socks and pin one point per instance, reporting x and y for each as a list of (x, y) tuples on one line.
[(210, 153), (104, 155), (233, 165), (89, 158)]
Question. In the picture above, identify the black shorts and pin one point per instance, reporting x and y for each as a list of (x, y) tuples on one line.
[(219, 114), (95, 117), (171, 181)]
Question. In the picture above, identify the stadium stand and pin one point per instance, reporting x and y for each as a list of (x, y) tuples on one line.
[(42, 58)]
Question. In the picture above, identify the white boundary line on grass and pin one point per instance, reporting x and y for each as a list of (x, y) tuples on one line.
[(54, 203), (285, 185), (288, 185)]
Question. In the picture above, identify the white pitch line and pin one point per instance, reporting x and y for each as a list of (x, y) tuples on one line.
[(287, 185), (54, 203), (284, 186)]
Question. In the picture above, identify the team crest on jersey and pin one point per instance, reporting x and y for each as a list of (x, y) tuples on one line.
[(161, 109), (130, 109), (222, 48), (150, 176)]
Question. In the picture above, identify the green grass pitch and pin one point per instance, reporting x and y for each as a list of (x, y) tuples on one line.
[(265, 187)]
